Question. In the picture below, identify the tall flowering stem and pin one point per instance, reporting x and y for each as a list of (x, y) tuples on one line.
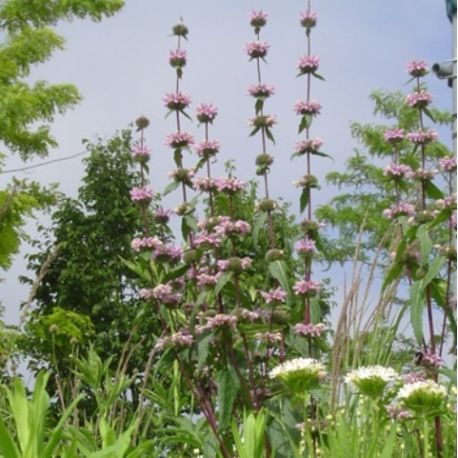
[(308, 109), (177, 103), (262, 123), (420, 99)]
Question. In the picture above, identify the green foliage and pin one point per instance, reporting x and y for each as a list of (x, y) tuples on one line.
[(88, 276), (31, 439), (364, 190)]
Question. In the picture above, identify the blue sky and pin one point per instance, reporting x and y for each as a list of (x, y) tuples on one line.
[(120, 67)]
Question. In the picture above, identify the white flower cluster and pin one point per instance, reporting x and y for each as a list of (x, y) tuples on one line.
[(387, 374), (423, 387), (297, 365)]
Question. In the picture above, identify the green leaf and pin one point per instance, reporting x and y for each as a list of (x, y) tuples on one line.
[(388, 449), (228, 387), (304, 199), (320, 153), (306, 122), (394, 272), (433, 191), (8, 448), (433, 270), (171, 187), (426, 244), (269, 135), (416, 310), (279, 271), (255, 131), (202, 351), (317, 75), (222, 282), (259, 223), (259, 105), (429, 114)]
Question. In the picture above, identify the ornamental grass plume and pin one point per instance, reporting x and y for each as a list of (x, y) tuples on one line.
[(424, 398), (371, 380), (300, 374)]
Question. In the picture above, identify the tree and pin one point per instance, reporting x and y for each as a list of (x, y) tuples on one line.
[(27, 109), (88, 278)]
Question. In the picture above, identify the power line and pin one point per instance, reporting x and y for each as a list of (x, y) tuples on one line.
[(29, 167)]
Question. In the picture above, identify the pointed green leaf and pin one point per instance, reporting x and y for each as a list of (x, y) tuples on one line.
[(304, 199)]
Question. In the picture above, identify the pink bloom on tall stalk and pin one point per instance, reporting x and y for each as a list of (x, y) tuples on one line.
[(274, 295), (424, 175), (141, 194), (258, 19), (305, 246), (261, 90), (177, 101), (433, 359), (204, 279), (307, 108), (448, 164), (162, 215), (229, 184), (422, 137), (448, 202), (263, 121), (177, 58), (309, 146), (167, 252), (206, 112), (308, 19), (308, 64), (179, 140), (220, 320), (145, 243), (419, 99), (398, 171), (400, 209), (394, 136), (208, 148), (207, 241), (226, 226), (304, 287), (141, 153), (309, 330), (417, 68), (165, 294), (204, 184), (257, 49)]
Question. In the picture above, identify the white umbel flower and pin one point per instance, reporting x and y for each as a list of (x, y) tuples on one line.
[(300, 374), (371, 380), (424, 397)]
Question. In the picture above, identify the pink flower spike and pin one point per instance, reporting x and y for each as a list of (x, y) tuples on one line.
[(309, 330), (179, 140), (306, 287), (422, 137), (208, 148), (257, 49), (258, 19), (309, 146), (417, 68), (308, 19), (448, 164), (419, 99), (394, 136), (308, 64), (177, 58), (206, 112), (307, 108), (277, 295), (261, 90), (306, 246), (141, 194), (397, 171), (177, 101), (141, 153)]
